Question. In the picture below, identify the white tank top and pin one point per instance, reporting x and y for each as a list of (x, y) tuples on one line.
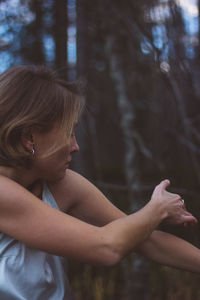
[(29, 274)]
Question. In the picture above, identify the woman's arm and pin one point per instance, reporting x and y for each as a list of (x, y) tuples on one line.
[(27, 219), (92, 206), (81, 199), (169, 250)]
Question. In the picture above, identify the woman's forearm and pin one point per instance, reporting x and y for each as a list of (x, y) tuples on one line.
[(171, 251), (126, 233)]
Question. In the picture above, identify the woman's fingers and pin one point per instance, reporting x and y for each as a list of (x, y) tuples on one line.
[(182, 217), (188, 217), (164, 184), (172, 205), (190, 220)]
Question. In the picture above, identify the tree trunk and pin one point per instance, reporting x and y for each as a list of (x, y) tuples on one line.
[(60, 36), (136, 277), (32, 37), (85, 161)]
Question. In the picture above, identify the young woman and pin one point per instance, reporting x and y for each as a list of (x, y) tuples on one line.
[(48, 212)]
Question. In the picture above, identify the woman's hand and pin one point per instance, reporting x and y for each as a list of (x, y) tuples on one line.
[(172, 206)]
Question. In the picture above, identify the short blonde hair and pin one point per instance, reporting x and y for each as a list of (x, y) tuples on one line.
[(33, 97)]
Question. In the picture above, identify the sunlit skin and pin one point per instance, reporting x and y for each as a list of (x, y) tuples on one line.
[(109, 235)]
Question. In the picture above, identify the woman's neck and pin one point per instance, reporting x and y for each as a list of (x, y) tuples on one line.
[(24, 177), (21, 175)]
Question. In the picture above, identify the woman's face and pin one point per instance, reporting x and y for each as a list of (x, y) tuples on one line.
[(52, 166)]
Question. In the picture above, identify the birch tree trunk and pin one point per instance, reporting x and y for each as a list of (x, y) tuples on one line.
[(137, 276)]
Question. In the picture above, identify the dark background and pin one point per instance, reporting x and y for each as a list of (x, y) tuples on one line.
[(138, 62)]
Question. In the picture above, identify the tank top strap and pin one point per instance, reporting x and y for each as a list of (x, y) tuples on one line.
[(48, 198)]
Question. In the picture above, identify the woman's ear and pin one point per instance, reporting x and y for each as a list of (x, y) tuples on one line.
[(27, 139)]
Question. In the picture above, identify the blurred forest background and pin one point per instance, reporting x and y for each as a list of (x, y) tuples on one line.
[(140, 64)]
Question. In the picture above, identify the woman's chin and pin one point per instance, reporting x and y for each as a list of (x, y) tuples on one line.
[(56, 176)]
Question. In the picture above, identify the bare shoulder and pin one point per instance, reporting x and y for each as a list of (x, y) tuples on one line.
[(14, 198), (80, 198), (9, 190), (70, 189), (29, 220)]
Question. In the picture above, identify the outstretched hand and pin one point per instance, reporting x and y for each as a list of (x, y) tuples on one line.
[(172, 204)]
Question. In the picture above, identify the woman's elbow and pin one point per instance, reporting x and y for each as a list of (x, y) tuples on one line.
[(111, 254), (111, 259)]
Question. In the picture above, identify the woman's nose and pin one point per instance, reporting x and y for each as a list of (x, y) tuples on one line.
[(75, 146)]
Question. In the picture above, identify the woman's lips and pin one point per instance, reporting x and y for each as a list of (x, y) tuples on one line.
[(67, 163)]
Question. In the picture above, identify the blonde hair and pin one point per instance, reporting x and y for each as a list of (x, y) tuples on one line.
[(33, 97)]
